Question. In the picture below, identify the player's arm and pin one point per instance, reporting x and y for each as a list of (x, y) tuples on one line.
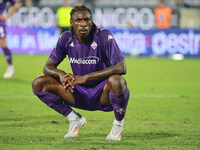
[(51, 69), (11, 12), (118, 69)]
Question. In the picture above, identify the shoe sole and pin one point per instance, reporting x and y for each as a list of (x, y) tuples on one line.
[(113, 138), (76, 130)]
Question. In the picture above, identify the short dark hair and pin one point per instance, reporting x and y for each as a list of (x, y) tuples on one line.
[(81, 8), (162, 1)]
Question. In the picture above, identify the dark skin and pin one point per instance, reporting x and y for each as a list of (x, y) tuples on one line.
[(82, 23)]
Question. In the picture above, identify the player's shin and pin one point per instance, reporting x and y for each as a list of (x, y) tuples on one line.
[(76, 121), (10, 70), (54, 101), (119, 103), (8, 55)]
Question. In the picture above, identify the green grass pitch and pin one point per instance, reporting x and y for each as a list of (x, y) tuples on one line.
[(163, 110)]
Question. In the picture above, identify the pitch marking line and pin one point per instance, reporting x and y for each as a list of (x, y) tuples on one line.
[(16, 97), (132, 96), (155, 96)]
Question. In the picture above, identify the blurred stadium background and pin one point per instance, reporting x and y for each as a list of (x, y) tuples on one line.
[(33, 28), (164, 106)]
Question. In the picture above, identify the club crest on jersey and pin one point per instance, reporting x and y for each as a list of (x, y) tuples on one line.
[(94, 45)]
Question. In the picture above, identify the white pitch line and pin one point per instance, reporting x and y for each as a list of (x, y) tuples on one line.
[(162, 96), (154, 96), (16, 97), (9, 92), (6, 95), (132, 96)]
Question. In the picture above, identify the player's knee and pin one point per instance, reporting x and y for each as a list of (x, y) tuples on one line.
[(38, 84), (3, 45), (117, 83)]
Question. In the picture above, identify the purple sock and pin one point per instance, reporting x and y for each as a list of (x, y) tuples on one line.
[(54, 101), (8, 55), (119, 103)]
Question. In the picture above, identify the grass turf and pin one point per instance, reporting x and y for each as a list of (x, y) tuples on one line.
[(163, 110)]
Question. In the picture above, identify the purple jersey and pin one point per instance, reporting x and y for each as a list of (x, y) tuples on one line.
[(3, 6), (97, 55)]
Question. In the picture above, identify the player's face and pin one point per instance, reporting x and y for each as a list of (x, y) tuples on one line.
[(82, 23)]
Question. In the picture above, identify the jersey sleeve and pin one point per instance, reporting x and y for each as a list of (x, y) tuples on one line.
[(110, 47), (59, 51)]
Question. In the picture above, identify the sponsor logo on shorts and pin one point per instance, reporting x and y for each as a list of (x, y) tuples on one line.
[(85, 60)]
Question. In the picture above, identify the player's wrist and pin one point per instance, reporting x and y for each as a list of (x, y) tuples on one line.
[(86, 77), (61, 73)]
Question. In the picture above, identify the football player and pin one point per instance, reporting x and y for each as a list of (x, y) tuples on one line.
[(8, 55), (96, 83)]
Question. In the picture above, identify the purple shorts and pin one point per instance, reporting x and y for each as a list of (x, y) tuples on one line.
[(2, 31), (89, 98)]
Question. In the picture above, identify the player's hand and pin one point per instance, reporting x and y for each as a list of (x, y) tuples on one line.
[(68, 82), (80, 79)]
